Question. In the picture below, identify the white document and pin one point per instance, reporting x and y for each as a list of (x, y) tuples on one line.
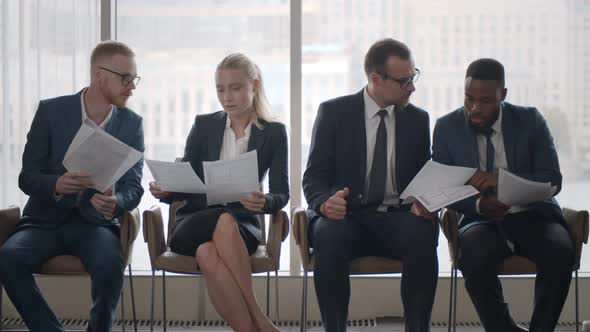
[(229, 180), (436, 200), (514, 190), (176, 177), (101, 155), (438, 185)]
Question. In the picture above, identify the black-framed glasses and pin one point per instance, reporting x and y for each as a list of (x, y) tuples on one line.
[(126, 79), (405, 81)]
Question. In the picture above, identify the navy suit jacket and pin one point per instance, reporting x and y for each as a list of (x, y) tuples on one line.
[(54, 126), (204, 144), (529, 147), (338, 151)]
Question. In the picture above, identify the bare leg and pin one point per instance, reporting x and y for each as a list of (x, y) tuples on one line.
[(223, 290), (233, 253)]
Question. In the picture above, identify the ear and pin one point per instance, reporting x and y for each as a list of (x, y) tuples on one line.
[(374, 78), (255, 85), (95, 73), (504, 93)]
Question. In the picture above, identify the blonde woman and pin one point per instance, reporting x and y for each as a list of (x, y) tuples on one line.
[(222, 237)]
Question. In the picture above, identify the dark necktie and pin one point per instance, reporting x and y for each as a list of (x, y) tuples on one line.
[(379, 167), (490, 169), (489, 152)]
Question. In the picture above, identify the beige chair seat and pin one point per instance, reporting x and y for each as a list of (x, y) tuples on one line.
[(265, 259), (361, 265), (173, 262), (65, 265), (577, 222)]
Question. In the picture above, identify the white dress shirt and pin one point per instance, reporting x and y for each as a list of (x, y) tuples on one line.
[(232, 147), (372, 121), (103, 124)]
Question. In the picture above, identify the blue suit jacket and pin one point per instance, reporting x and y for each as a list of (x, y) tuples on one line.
[(529, 147), (338, 151), (204, 144), (54, 126)]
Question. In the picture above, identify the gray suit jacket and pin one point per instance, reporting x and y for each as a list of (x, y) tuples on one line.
[(54, 126), (204, 144), (529, 147)]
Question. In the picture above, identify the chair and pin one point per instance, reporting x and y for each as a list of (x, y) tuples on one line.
[(514, 264), (71, 265), (361, 265), (265, 259)]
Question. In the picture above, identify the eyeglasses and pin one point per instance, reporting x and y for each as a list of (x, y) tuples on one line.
[(126, 79), (403, 82)]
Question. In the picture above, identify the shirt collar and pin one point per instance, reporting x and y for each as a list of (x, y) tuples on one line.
[(497, 126), (85, 115), (246, 131), (371, 107)]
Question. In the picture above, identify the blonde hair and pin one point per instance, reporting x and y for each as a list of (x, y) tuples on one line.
[(260, 103), (109, 48)]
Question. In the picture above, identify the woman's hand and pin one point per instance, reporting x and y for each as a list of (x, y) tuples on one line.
[(254, 201), (157, 192)]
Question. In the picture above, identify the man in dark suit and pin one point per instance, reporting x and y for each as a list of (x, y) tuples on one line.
[(365, 150), (64, 215), (489, 134)]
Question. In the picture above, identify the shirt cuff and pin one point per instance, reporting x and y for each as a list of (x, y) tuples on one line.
[(57, 196), (477, 206)]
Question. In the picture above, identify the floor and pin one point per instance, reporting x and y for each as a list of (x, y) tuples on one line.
[(372, 325)]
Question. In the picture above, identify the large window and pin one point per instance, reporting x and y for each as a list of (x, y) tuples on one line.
[(544, 46), (45, 52), (179, 44)]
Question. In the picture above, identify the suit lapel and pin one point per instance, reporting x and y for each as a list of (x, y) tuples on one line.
[(217, 137), (471, 137), (360, 131), (256, 139), (114, 124), (509, 135)]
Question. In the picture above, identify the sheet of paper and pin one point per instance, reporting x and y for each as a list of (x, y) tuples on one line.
[(101, 155), (229, 180), (435, 176), (176, 177), (439, 199), (514, 190)]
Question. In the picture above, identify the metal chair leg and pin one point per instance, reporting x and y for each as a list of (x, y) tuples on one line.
[(276, 298), (577, 302), (1, 293), (123, 307), (132, 299), (303, 321), (455, 300), (153, 301), (164, 298), (267, 294), (451, 299)]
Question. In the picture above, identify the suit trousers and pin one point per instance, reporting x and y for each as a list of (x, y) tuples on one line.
[(99, 249), (398, 235), (545, 242)]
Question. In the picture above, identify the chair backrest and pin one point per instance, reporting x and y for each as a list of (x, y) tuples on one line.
[(172, 221), (129, 222)]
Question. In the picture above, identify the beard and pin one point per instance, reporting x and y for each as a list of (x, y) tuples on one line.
[(485, 128)]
